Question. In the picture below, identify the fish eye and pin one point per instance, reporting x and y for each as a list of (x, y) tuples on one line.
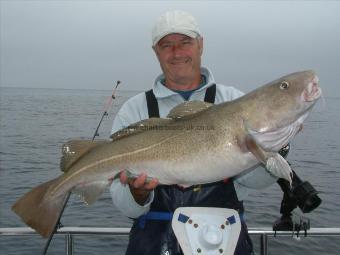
[(284, 85)]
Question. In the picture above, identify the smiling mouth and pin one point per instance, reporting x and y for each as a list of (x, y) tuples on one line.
[(180, 62)]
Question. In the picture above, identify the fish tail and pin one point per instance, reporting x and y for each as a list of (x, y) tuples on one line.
[(38, 212)]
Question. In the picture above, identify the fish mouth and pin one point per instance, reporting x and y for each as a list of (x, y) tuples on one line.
[(313, 91)]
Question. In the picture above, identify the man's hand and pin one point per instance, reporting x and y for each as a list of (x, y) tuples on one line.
[(140, 187)]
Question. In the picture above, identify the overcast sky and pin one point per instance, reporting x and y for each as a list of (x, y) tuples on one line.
[(91, 44)]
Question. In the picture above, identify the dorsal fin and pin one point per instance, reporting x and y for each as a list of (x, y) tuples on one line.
[(73, 150), (140, 126), (187, 109)]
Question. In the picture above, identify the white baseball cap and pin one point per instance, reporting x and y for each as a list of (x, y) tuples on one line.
[(175, 22)]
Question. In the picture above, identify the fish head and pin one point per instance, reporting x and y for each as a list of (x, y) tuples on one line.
[(278, 109), (303, 87)]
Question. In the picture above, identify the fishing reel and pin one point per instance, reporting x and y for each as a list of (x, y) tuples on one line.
[(306, 196), (302, 195)]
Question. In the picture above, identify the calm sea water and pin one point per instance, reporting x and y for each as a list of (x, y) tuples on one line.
[(34, 123)]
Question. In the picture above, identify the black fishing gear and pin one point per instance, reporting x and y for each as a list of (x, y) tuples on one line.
[(299, 194), (302, 194)]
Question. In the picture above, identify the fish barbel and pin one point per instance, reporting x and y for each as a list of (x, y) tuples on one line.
[(197, 143)]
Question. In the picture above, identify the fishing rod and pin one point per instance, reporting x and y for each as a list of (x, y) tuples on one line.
[(107, 106), (58, 224)]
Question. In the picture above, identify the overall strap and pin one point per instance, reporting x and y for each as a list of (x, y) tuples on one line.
[(152, 103), (210, 94)]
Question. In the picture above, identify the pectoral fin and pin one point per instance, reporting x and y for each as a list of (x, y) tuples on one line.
[(274, 162), (279, 167)]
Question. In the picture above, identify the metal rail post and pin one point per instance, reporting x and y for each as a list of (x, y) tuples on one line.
[(69, 244), (264, 244)]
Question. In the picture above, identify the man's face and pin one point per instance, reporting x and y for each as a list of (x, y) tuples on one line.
[(180, 57)]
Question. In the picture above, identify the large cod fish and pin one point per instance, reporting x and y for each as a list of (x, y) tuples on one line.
[(197, 143)]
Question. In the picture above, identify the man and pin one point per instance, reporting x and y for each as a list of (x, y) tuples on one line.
[(178, 45)]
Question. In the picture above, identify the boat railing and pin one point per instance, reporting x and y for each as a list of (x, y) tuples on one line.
[(69, 233)]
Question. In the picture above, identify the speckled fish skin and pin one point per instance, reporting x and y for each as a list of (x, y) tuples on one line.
[(181, 150), (192, 147)]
